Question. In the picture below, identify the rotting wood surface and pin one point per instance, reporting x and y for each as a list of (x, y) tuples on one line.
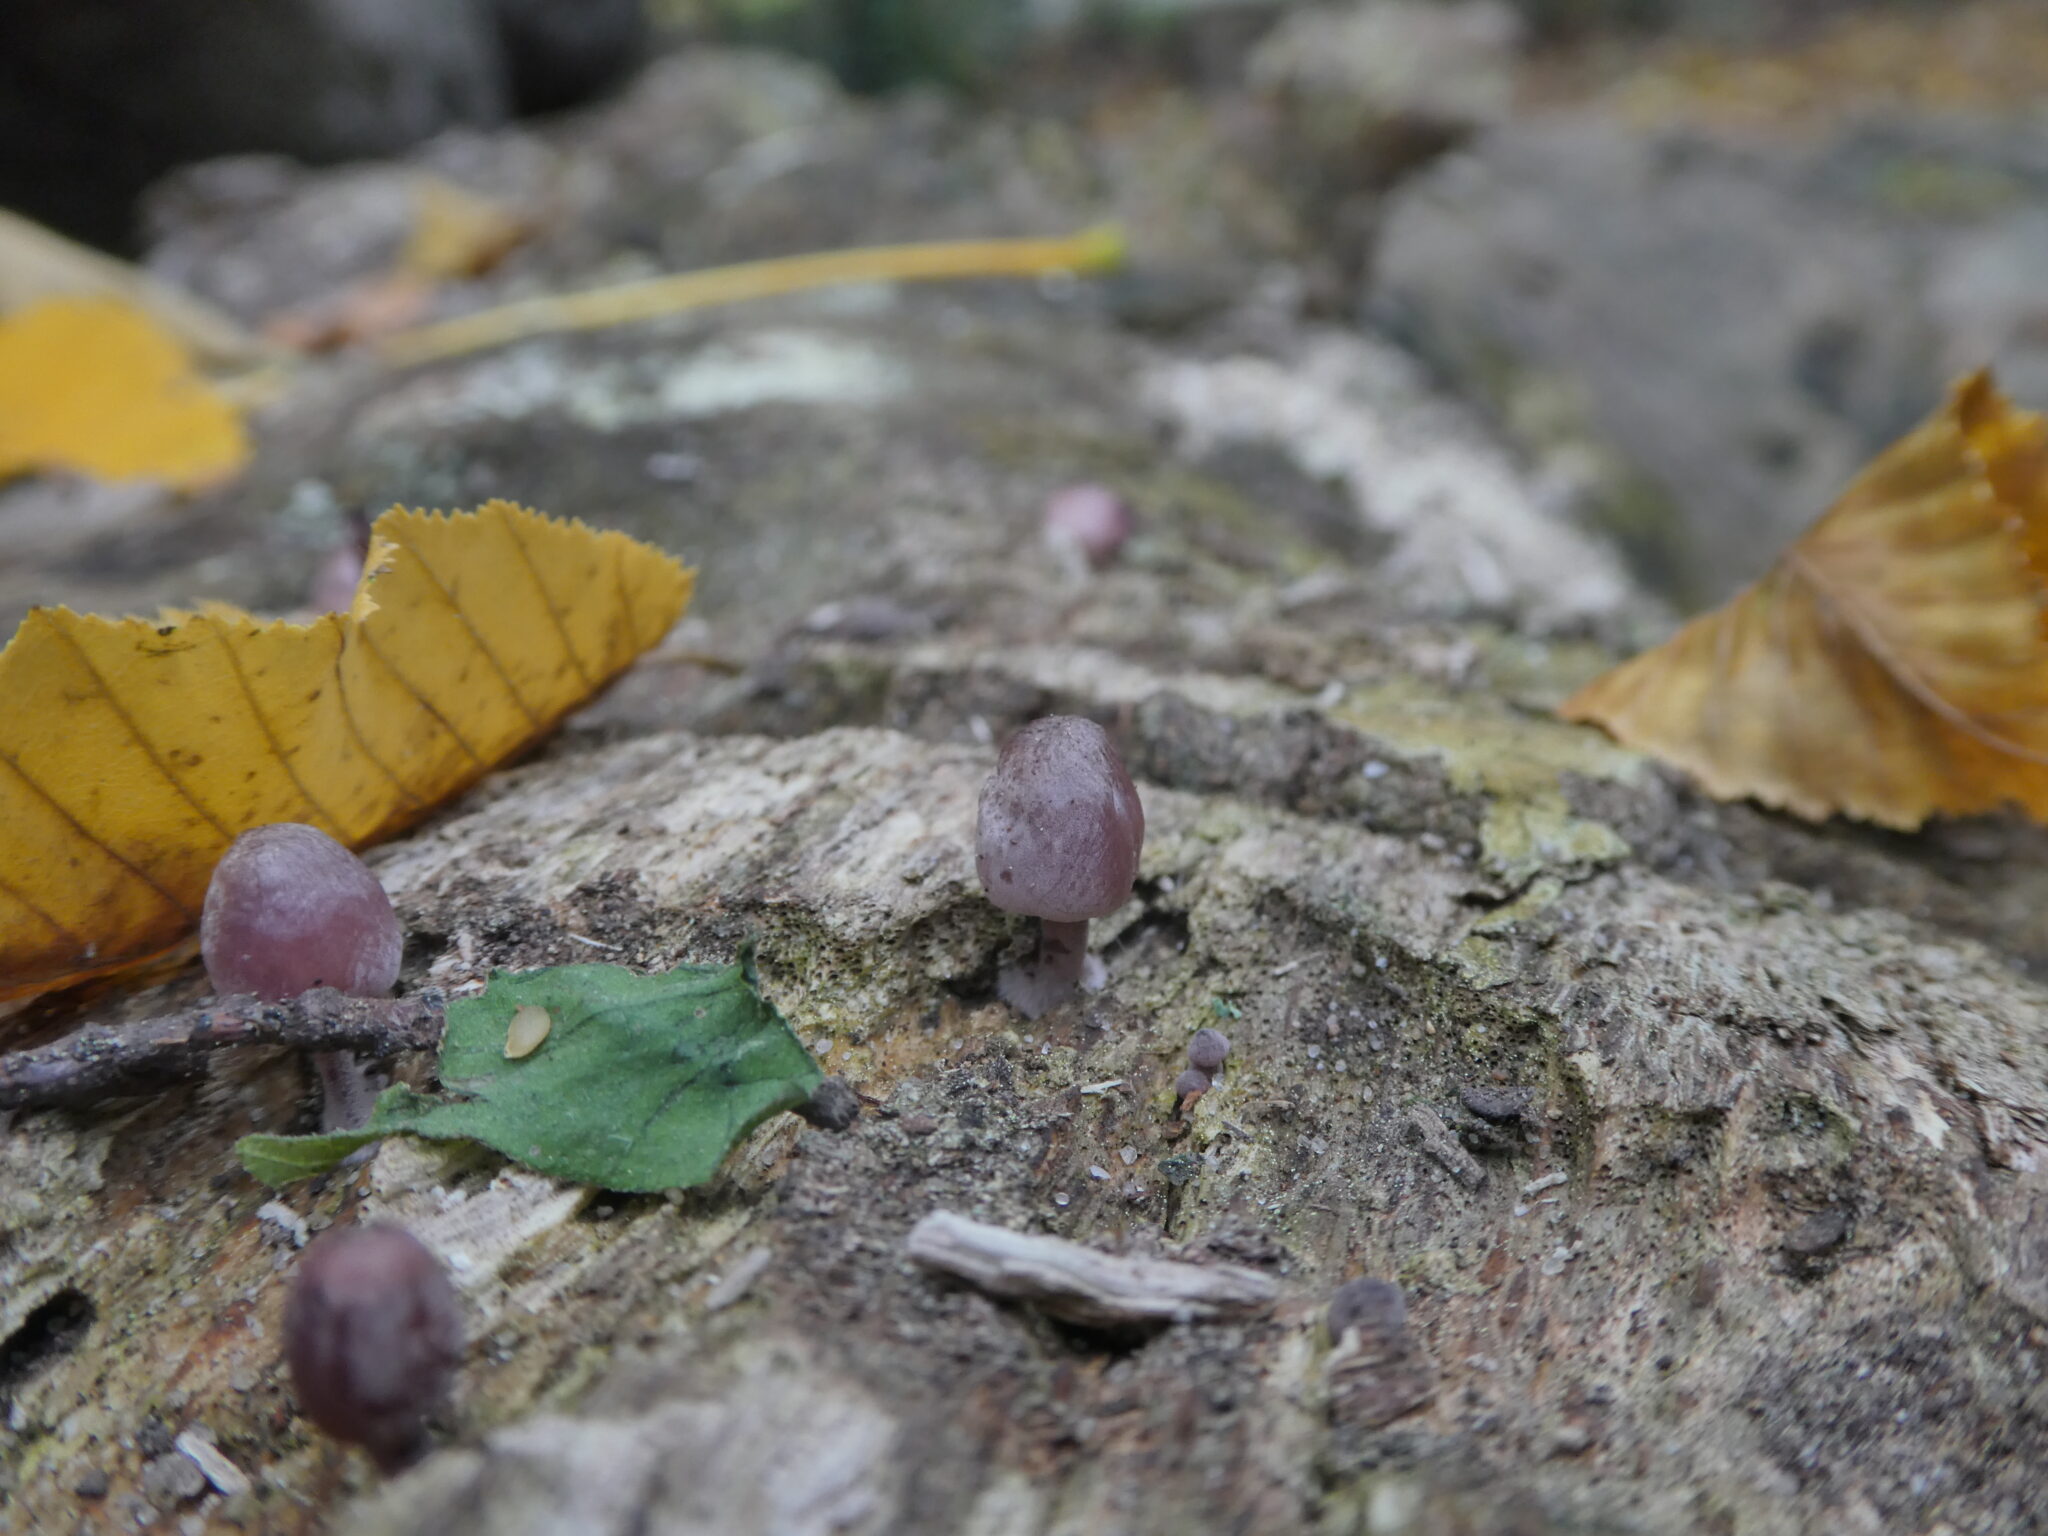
[(1763, 1254)]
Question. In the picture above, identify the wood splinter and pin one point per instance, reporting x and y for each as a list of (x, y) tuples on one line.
[(1078, 1284), (1429, 1129)]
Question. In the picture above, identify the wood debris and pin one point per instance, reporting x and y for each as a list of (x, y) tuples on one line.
[(1080, 1285), (1440, 1144)]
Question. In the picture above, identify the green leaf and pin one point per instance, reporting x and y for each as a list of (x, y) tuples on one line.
[(280, 1160), (642, 1082)]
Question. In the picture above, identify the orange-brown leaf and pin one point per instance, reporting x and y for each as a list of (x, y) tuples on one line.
[(96, 386), (132, 753), (1894, 663)]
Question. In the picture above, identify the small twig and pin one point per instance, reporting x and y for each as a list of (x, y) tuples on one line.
[(100, 1060)]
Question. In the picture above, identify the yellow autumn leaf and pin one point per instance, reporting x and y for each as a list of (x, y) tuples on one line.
[(38, 263), (96, 386), (132, 753)]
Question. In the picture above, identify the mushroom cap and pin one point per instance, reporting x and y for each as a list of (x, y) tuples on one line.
[(1092, 518), (1208, 1050), (289, 909), (372, 1333), (1060, 824)]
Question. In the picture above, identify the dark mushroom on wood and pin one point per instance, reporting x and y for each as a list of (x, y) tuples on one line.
[(372, 1333), (1060, 829)]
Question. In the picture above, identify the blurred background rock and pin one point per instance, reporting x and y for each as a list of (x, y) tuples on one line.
[(1697, 259), (99, 97)]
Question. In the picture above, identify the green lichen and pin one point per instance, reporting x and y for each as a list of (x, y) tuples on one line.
[(1517, 762)]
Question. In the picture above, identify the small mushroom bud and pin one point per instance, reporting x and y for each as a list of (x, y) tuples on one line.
[(1369, 1306), (1088, 520), (1208, 1050), (372, 1334), (290, 909), (1188, 1087), (1059, 831)]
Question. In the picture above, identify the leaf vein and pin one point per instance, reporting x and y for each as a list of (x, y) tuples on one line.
[(135, 731), (421, 699), (269, 735), (355, 729), (21, 898), (547, 598), (475, 637), (184, 912)]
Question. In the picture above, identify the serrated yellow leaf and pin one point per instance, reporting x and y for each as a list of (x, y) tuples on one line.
[(132, 753), (96, 386)]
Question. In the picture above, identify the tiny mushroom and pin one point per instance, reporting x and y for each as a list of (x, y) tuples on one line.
[(1059, 830), (290, 909), (335, 579), (1208, 1050), (372, 1334), (1090, 521), (1188, 1087)]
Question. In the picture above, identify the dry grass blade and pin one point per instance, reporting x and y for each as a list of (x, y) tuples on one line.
[(1090, 251)]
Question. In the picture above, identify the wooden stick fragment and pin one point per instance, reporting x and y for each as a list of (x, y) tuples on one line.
[(1436, 1138), (1080, 1285), (100, 1060)]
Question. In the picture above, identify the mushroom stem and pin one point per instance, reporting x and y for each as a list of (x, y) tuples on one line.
[(1042, 983), (392, 1459), (1062, 948), (345, 1097)]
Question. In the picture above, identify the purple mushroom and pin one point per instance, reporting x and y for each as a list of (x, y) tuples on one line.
[(1060, 829), (1208, 1050), (372, 1334), (1091, 520), (290, 909)]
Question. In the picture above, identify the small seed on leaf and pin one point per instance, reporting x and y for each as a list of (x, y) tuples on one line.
[(529, 1027)]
